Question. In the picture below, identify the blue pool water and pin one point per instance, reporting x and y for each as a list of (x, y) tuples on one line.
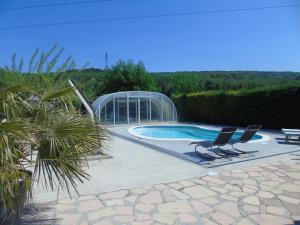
[(181, 132)]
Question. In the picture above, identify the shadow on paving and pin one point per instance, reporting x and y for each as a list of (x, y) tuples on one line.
[(38, 214)]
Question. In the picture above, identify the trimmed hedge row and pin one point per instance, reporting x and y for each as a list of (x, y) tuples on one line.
[(273, 108)]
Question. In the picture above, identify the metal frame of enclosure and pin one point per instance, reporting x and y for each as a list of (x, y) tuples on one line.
[(134, 107)]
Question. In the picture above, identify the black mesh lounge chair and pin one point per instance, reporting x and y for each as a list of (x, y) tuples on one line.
[(222, 139), (249, 132)]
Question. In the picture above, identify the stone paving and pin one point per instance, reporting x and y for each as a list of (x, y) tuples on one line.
[(268, 194)]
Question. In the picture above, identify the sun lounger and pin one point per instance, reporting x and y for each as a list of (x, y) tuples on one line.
[(291, 133), (248, 134), (222, 139)]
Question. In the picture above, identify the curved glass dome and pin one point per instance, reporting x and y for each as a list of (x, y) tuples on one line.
[(134, 107)]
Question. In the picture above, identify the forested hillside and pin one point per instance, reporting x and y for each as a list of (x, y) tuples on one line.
[(91, 81), (94, 82)]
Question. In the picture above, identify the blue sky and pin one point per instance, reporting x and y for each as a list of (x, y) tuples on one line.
[(255, 40)]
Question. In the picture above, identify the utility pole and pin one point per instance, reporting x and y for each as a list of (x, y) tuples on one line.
[(106, 61)]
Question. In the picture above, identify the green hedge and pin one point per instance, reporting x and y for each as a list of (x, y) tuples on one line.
[(273, 108)]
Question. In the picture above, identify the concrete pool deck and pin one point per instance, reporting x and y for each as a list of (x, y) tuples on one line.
[(274, 145)]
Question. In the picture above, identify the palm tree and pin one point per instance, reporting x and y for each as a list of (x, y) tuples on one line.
[(48, 126)]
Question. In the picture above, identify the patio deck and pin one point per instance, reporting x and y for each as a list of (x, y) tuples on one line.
[(140, 186)]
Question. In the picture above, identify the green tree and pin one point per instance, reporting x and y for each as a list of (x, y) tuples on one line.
[(128, 76)]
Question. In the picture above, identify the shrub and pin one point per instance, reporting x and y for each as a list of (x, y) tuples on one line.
[(273, 108)]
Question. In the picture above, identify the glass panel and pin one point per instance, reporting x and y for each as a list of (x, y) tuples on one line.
[(108, 109), (121, 110), (144, 110), (102, 116), (133, 110), (154, 113)]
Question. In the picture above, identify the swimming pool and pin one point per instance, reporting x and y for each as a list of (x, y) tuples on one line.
[(182, 132)]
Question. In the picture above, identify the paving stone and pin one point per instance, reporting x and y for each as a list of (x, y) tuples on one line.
[(229, 197), (240, 175), (87, 197), (265, 194), (68, 219), (289, 187), (233, 187), (250, 181), (255, 169), (271, 183), (124, 210), (151, 198), (198, 181), (160, 186), (181, 206), (226, 174), (250, 209), (186, 218), (186, 183), (148, 222), (168, 195), (146, 208), (279, 211), (278, 179), (208, 222), (165, 218), (114, 195), (84, 223), (200, 207), (220, 190), (175, 185), (289, 200), (237, 171), (64, 207), (248, 190), (124, 219), (139, 191), (238, 193), (230, 208), (68, 201), (199, 192), (265, 187), (273, 202), (91, 205), (294, 175), (266, 219), (210, 200), (114, 202), (179, 194), (245, 221), (254, 187), (132, 198), (254, 174), (103, 222), (102, 213), (214, 180), (222, 218), (276, 191), (293, 209), (142, 216), (252, 200)]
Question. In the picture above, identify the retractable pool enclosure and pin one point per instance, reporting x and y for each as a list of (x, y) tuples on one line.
[(134, 107)]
